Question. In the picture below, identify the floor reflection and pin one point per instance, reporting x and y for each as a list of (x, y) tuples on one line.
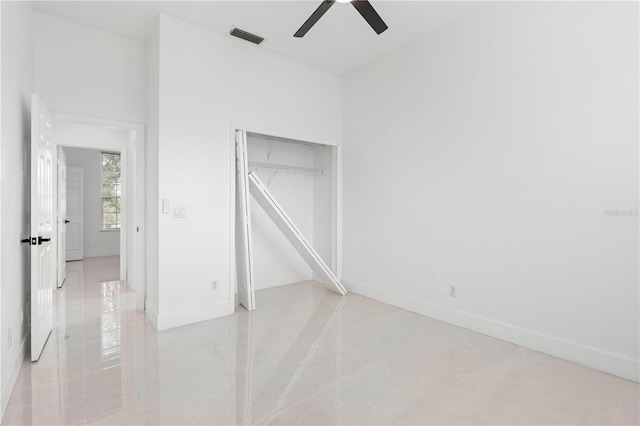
[(285, 379), (305, 356), (110, 325)]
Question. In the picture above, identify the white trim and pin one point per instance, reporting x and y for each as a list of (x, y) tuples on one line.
[(12, 377), (192, 315), (337, 247), (571, 351), (2, 391), (233, 276), (152, 313), (277, 133)]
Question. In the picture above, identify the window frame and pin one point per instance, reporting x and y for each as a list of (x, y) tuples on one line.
[(118, 198)]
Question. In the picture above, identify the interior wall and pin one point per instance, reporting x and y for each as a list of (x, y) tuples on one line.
[(275, 260), (17, 86), (96, 242), (206, 91), (82, 70), (499, 155)]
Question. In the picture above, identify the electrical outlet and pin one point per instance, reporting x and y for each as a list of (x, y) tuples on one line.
[(9, 338), (21, 316), (452, 291), (179, 212), (214, 285)]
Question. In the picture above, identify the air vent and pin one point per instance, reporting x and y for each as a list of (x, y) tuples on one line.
[(236, 32)]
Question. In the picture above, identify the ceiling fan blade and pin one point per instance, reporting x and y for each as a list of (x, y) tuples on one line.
[(370, 15), (315, 16)]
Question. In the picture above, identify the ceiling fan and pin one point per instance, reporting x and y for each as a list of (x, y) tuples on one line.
[(363, 6)]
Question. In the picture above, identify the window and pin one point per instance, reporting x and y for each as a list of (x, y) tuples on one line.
[(111, 190)]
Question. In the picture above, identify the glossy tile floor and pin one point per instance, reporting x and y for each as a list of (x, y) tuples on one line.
[(305, 356)]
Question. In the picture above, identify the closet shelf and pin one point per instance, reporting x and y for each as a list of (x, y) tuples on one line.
[(287, 168)]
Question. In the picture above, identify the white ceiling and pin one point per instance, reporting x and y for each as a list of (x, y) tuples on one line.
[(340, 42)]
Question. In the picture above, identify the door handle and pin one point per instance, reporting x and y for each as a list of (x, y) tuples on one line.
[(35, 241), (66, 221)]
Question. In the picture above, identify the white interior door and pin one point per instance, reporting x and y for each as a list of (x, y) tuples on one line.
[(291, 232), (244, 269), (43, 272), (75, 213), (62, 216)]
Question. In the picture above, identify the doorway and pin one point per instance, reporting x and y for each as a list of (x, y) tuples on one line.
[(295, 238), (91, 205), (121, 222)]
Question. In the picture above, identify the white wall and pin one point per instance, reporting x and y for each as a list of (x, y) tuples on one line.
[(82, 70), (205, 90), (17, 85), (96, 242), (485, 156)]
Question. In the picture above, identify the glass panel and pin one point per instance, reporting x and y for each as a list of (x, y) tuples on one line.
[(110, 205), (111, 190), (109, 221)]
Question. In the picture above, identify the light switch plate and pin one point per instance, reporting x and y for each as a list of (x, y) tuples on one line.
[(166, 206)]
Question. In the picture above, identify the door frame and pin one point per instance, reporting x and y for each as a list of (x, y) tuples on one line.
[(244, 266), (60, 225), (336, 175), (2, 404), (132, 237), (75, 220)]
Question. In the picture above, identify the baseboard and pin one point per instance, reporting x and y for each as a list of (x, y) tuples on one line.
[(174, 319), (282, 279), (571, 351), (12, 377), (152, 313), (101, 252)]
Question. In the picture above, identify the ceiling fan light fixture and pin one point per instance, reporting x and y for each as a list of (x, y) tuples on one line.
[(363, 7)]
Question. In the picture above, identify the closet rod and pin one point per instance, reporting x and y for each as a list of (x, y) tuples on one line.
[(287, 168)]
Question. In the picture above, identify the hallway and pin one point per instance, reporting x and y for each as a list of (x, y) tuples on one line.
[(305, 356)]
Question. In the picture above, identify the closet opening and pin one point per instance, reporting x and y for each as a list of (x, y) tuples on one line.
[(302, 177)]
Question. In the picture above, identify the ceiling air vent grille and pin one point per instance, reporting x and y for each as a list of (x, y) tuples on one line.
[(236, 32)]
